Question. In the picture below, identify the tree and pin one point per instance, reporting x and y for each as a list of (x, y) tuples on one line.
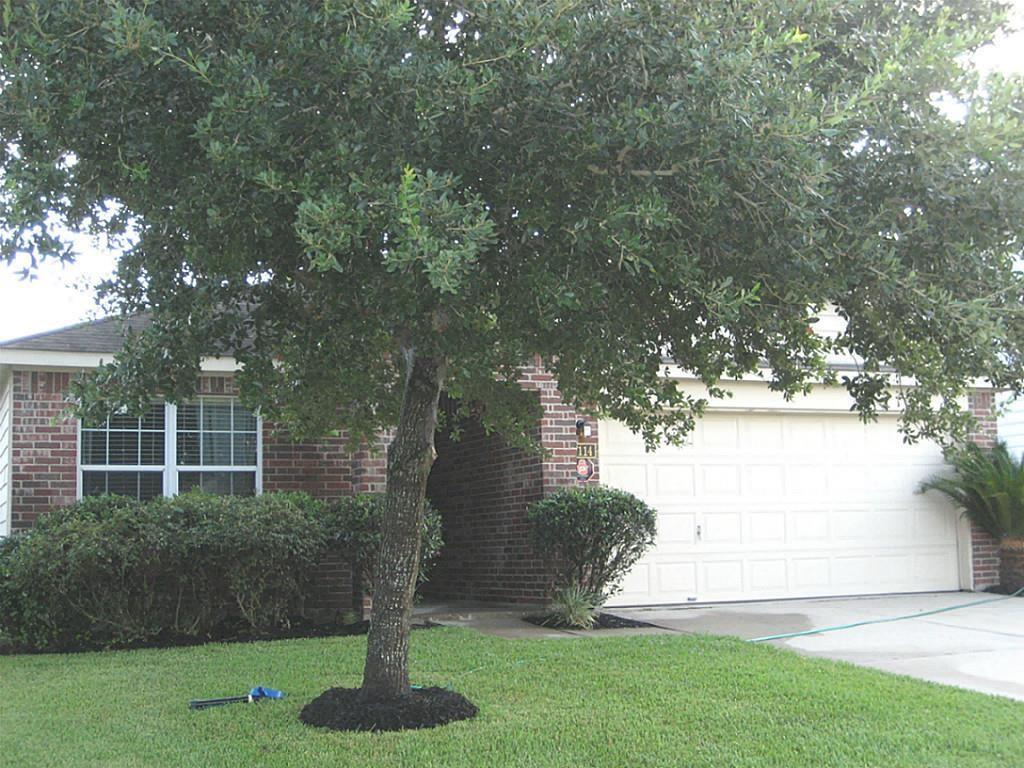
[(370, 201)]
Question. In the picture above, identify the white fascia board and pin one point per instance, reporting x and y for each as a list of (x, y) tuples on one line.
[(763, 376), (39, 360), (754, 395)]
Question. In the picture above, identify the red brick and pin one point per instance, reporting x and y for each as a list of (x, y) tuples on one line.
[(984, 548)]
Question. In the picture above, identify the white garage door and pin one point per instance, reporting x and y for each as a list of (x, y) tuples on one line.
[(773, 505)]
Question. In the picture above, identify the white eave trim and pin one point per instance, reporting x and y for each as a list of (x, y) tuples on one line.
[(763, 376), (40, 360)]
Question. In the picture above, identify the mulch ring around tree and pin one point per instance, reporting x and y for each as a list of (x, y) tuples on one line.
[(342, 709), (601, 621)]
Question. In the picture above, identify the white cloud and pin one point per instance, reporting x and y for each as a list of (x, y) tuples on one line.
[(58, 295), (1006, 54)]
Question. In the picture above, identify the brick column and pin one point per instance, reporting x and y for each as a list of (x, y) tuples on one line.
[(984, 548), (558, 431), (44, 447)]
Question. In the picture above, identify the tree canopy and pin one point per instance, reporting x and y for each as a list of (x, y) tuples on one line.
[(606, 184)]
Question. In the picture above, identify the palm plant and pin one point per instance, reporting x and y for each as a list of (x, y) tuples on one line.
[(574, 606), (989, 487)]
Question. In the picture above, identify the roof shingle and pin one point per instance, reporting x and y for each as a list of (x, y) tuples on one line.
[(103, 335)]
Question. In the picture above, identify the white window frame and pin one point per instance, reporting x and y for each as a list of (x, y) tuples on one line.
[(171, 483), (170, 467)]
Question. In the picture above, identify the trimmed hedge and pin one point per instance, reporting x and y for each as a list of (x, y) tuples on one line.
[(110, 572), (591, 536), (356, 523)]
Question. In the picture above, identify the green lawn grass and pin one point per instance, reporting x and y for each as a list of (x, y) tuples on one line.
[(642, 701)]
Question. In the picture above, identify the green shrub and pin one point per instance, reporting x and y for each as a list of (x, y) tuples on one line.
[(988, 486), (573, 606), (261, 552), (354, 525), (591, 536), (110, 571), (100, 571)]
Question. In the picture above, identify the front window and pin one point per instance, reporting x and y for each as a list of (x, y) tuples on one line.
[(211, 443), (217, 447), (125, 455)]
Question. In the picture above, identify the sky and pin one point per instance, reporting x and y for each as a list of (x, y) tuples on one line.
[(60, 295)]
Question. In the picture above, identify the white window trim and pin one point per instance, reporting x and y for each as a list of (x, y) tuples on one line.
[(170, 468)]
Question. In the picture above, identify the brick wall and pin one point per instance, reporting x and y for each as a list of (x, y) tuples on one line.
[(44, 447), (325, 468), (984, 548), (483, 486), (44, 474)]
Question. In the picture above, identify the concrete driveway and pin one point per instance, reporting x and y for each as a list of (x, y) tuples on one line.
[(980, 647)]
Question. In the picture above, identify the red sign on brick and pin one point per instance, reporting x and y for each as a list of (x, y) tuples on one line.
[(584, 469)]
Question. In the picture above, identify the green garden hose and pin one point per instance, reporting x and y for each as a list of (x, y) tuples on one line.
[(836, 628)]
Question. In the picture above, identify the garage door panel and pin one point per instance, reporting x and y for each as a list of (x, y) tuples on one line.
[(788, 505), (675, 528), (932, 527), (627, 477), (765, 480), (932, 567), (616, 437), (894, 480), (636, 586), (766, 527), (723, 528), (888, 441), (894, 569), (721, 434), (849, 481), (805, 435), (846, 438), (809, 526), (806, 480), (723, 577), (678, 580), (762, 435), (866, 525), (720, 480), (811, 575), (768, 576), (672, 481), (851, 571)]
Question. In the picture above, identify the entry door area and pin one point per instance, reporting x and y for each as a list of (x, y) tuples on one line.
[(784, 504)]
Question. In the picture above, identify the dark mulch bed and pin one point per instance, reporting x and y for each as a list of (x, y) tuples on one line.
[(341, 709), (604, 621), (230, 632)]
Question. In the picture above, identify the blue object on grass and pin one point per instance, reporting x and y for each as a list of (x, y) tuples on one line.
[(259, 692), (256, 694)]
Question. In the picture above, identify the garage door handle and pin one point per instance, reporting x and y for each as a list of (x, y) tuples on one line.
[(698, 533)]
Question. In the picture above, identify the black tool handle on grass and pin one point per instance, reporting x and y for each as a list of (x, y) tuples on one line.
[(204, 703)]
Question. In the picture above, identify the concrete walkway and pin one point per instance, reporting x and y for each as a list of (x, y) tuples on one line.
[(980, 647), (506, 620)]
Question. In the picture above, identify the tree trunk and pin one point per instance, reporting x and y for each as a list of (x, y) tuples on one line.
[(410, 457)]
